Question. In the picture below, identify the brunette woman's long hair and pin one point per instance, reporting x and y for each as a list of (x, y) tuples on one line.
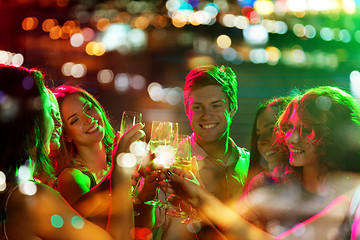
[(332, 117)]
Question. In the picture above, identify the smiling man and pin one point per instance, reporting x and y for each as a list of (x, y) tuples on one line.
[(210, 101)]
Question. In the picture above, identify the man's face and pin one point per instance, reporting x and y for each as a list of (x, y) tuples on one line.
[(209, 114)]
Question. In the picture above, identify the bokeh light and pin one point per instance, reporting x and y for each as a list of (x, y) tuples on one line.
[(223, 41), (77, 222), (30, 23), (48, 24), (27, 188), (139, 148), (17, 60), (77, 40), (105, 76), (2, 177), (66, 68), (256, 34), (57, 221), (138, 82), (127, 160), (122, 82), (78, 70)]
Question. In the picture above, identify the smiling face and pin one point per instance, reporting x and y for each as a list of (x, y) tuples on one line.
[(209, 114), (55, 114), (83, 124), (298, 139), (265, 124)]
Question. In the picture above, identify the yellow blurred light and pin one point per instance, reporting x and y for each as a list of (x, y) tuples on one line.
[(299, 30), (223, 41), (89, 48), (273, 54), (200, 61), (195, 19), (296, 5), (264, 7), (123, 17), (228, 20), (30, 23), (160, 21), (75, 30), (66, 29), (349, 6), (141, 22), (99, 49), (300, 14), (64, 35), (102, 24), (241, 22), (48, 24), (178, 20), (70, 24), (55, 33), (298, 56)]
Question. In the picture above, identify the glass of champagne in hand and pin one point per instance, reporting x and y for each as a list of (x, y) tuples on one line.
[(129, 119), (182, 161), (163, 143)]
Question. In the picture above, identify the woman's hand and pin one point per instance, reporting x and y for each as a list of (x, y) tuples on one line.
[(122, 143), (183, 184)]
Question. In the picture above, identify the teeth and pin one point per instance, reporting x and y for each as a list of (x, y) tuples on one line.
[(93, 128), (208, 125), (296, 151), (269, 153)]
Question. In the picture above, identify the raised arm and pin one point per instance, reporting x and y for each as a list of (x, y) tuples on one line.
[(121, 219), (227, 221)]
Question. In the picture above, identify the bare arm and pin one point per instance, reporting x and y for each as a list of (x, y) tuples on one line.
[(227, 221), (46, 215), (121, 219), (324, 225)]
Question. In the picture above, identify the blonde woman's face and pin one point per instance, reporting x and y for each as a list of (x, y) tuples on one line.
[(55, 114), (49, 123)]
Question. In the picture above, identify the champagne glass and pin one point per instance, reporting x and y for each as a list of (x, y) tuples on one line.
[(129, 119), (182, 161), (163, 143)]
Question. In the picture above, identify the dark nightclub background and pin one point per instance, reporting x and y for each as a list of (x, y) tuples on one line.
[(134, 55)]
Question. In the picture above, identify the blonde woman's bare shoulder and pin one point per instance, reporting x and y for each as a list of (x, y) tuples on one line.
[(36, 211)]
